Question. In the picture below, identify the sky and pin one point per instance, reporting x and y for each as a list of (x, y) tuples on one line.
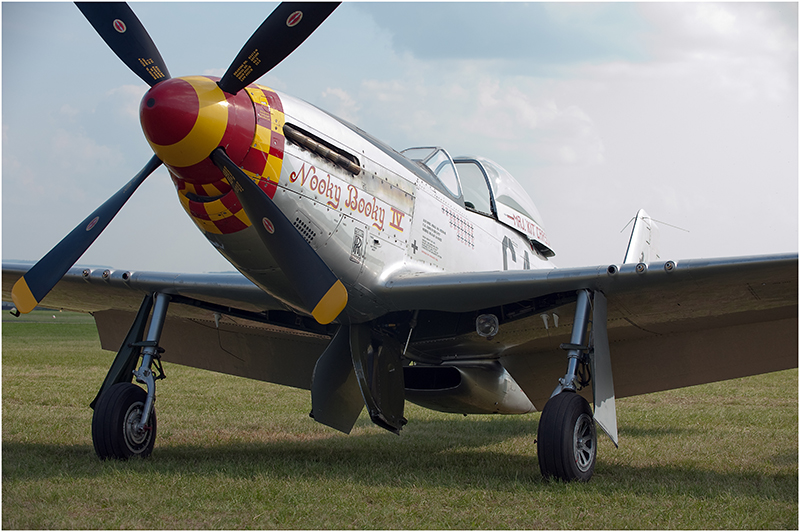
[(688, 110)]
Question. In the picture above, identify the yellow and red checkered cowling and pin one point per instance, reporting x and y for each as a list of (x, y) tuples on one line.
[(185, 119)]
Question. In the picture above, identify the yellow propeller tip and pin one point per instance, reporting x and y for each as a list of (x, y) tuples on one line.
[(22, 297), (331, 304)]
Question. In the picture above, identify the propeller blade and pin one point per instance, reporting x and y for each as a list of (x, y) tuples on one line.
[(121, 29), (319, 288), (284, 30), (43, 276)]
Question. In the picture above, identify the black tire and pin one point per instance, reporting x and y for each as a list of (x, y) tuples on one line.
[(567, 440), (115, 417)]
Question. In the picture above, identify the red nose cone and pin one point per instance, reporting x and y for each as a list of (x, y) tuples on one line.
[(169, 111), (185, 119)]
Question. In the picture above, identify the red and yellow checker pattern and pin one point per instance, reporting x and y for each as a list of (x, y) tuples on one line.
[(213, 206), (265, 159)]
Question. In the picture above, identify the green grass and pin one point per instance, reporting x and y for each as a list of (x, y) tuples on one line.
[(233, 453)]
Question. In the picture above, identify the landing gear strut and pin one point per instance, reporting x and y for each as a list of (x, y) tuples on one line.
[(124, 420), (567, 439)]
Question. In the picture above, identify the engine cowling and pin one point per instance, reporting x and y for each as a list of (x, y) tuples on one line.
[(185, 119)]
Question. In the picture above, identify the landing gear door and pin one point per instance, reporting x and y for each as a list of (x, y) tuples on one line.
[(605, 410)]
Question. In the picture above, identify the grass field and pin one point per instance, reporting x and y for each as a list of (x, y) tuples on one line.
[(233, 453)]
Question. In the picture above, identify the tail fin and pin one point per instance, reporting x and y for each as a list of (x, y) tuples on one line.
[(643, 245)]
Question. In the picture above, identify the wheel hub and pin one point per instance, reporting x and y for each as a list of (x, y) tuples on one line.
[(584, 442), (135, 439)]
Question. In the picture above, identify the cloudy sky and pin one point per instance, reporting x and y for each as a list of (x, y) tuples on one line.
[(687, 110)]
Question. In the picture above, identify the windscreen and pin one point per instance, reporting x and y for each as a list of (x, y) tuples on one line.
[(440, 163)]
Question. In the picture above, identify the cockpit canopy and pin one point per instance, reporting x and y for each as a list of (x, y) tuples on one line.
[(440, 163), (485, 187)]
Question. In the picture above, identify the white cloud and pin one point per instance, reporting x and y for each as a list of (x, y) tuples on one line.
[(19, 176), (74, 152), (746, 50), (69, 110), (126, 99), (485, 115), (341, 104), (714, 17), (218, 72)]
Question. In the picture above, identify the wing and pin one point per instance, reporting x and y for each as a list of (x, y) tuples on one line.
[(219, 322), (96, 289), (669, 326)]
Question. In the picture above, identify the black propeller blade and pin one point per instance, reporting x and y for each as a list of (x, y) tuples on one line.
[(280, 34), (319, 288), (43, 276), (277, 37), (125, 35)]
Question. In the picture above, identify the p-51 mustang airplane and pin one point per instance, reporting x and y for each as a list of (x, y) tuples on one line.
[(372, 277)]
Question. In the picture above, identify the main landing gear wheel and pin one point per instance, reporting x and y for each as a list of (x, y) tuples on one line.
[(115, 423), (567, 440)]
